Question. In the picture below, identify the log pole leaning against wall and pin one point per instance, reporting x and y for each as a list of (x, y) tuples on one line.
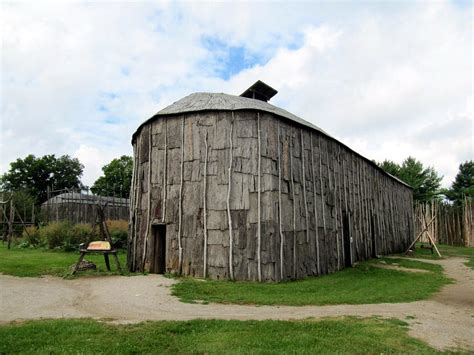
[(303, 171), (294, 203), (323, 203), (204, 202), (180, 208), (229, 187), (130, 217), (165, 174), (135, 234), (336, 208), (259, 200), (280, 228), (314, 206), (148, 212)]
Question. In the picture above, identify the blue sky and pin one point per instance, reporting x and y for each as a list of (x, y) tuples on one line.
[(389, 79)]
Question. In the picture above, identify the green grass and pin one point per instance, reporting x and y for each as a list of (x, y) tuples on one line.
[(409, 264), (446, 251), (359, 285), (342, 335), (37, 262), (470, 263)]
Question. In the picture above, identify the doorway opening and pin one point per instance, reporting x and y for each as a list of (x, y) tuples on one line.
[(158, 258), (346, 230)]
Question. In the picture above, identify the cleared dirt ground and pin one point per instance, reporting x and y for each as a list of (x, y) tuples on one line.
[(445, 321)]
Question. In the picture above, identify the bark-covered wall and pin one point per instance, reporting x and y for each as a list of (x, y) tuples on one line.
[(320, 185)]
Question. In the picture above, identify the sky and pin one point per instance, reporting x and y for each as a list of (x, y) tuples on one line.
[(389, 79)]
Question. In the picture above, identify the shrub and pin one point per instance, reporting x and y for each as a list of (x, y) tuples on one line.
[(64, 235), (118, 230), (80, 233), (67, 236), (31, 237), (54, 234)]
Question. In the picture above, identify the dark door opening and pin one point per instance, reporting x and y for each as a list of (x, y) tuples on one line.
[(372, 234), (346, 230), (158, 260)]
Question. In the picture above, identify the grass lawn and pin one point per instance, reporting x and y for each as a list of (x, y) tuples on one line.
[(37, 262), (446, 251), (342, 335), (362, 284)]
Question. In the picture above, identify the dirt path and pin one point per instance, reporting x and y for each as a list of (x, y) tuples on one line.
[(446, 321)]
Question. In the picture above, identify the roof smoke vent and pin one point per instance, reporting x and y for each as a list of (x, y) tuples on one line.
[(259, 91)]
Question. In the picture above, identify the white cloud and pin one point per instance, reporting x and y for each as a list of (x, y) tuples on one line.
[(390, 80)]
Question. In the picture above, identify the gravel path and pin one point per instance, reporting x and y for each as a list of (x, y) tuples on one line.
[(445, 321)]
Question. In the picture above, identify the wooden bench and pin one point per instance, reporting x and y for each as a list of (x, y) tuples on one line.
[(103, 247)]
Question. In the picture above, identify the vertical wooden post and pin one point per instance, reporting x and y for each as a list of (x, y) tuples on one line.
[(323, 203), (204, 203), (346, 209), (336, 209), (33, 213), (294, 204), (328, 170), (131, 220), (280, 229), (148, 212), (180, 210), (2, 212), (318, 267), (365, 210), (259, 201), (229, 188), (165, 171), (10, 223), (135, 206), (303, 173), (360, 210)]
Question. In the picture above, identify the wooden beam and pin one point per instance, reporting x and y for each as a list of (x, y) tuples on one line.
[(148, 212), (316, 234), (259, 202), (165, 171), (135, 207), (229, 188), (180, 207), (303, 178), (420, 234), (204, 203), (294, 204), (10, 224), (280, 228), (321, 186)]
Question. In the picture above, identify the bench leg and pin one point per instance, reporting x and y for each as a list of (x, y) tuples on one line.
[(78, 263), (118, 263), (107, 263)]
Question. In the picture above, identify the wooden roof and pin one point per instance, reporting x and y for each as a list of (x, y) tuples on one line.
[(204, 101)]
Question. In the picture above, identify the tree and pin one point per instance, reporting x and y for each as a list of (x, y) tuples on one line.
[(34, 175), (425, 181), (463, 184), (390, 167), (117, 178)]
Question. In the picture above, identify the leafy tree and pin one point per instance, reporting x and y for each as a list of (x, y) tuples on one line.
[(23, 203), (117, 178), (463, 184), (424, 180), (390, 167), (34, 175)]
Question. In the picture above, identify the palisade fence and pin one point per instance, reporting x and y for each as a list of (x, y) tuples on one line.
[(453, 224), (79, 206)]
